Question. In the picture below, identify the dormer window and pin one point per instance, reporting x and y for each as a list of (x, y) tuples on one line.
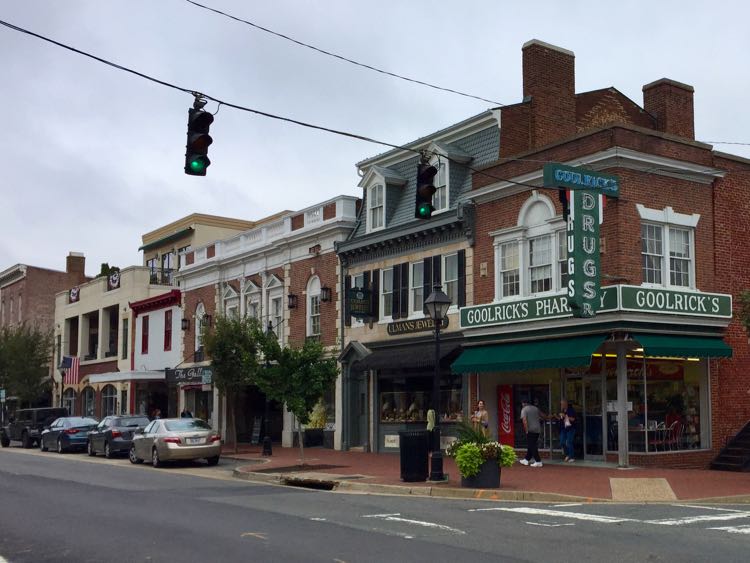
[(441, 199), (376, 207)]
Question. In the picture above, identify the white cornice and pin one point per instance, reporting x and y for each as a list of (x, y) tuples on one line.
[(12, 275), (615, 157)]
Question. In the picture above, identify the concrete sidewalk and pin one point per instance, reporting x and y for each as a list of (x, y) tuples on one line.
[(580, 482)]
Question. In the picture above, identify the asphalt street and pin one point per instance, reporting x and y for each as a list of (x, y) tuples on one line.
[(74, 508)]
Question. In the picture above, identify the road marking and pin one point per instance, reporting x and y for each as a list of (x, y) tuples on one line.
[(257, 535), (550, 525), (703, 507), (734, 529), (318, 519), (560, 513), (696, 519), (569, 504), (397, 518)]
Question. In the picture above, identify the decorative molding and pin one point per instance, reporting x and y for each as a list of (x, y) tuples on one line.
[(668, 216)]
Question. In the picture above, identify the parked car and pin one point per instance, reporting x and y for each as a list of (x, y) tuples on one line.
[(67, 433), (27, 424), (176, 439), (114, 434)]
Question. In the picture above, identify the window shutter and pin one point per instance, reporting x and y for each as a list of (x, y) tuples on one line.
[(396, 289), (426, 280), (437, 269), (405, 290), (461, 278), (347, 304), (375, 295)]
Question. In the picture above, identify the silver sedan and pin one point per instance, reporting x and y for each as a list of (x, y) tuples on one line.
[(173, 439)]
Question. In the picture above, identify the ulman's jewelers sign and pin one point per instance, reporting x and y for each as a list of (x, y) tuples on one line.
[(612, 298)]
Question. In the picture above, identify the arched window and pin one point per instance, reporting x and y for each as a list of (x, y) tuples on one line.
[(313, 307), (109, 400), (89, 398), (69, 401), (530, 258), (200, 314)]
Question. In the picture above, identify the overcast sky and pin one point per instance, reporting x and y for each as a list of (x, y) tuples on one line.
[(93, 157)]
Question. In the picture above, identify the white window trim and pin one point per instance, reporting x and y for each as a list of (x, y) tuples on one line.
[(313, 291), (442, 160), (443, 269), (381, 298), (414, 314), (378, 181), (668, 218), (231, 302)]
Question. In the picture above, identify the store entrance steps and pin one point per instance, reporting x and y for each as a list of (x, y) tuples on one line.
[(736, 455)]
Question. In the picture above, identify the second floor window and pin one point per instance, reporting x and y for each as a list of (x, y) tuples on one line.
[(667, 255), (313, 307), (376, 207), (417, 288), (144, 335), (167, 330), (277, 315), (450, 277), (440, 199), (510, 281), (386, 294), (540, 264)]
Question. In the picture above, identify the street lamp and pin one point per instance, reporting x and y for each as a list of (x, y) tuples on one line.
[(437, 305), (267, 445)]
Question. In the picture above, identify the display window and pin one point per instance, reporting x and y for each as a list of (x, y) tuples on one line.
[(407, 399)]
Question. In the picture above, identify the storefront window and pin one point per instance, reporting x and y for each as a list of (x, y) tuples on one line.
[(109, 400), (69, 401), (405, 400), (200, 403), (88, 401)]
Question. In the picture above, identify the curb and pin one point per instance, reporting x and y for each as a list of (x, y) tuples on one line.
[(403, 490)]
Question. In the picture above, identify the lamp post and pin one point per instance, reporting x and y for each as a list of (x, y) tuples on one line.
[(267, 445), (437, 305)]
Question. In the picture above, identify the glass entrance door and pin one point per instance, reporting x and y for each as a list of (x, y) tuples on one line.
[(587, 397)]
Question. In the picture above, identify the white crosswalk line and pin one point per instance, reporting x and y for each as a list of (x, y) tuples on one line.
[(560, 514), (734, 529), (696, 519)]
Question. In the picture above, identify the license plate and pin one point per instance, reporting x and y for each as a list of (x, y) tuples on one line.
[(193, 441)]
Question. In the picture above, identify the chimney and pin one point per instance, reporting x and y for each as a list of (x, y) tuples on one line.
[(76, 264), (671, 103), (549, 80)]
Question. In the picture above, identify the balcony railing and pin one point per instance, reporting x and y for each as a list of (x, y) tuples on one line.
[(162, 276)]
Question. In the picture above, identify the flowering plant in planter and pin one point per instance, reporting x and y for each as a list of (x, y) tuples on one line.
[(472, 449)]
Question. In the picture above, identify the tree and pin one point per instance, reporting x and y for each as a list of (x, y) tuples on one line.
[(744, 312), (107, 270), (25, 354), (233, 345), (297, 377)]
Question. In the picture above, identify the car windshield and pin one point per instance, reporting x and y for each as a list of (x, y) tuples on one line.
[(82, 421), (132, 422), (186, 424)]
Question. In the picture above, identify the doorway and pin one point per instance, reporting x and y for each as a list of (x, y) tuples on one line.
[(587, 395)]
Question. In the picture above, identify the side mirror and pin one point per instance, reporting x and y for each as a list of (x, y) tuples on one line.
[(138, 431)]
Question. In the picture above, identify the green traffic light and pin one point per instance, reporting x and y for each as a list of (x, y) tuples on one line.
[(197, 165), (424, 210)]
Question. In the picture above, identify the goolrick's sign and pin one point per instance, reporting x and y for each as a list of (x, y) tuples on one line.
[(574, 178), (612, 298)]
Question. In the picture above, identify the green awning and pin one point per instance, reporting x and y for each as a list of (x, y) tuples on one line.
[(167, 239), (556, 353), (683, 346)]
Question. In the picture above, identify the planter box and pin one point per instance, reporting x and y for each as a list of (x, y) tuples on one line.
[(328, 439), (487, 478), (313, 437)]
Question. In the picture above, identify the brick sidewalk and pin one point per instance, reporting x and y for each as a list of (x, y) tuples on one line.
[(562, 479)]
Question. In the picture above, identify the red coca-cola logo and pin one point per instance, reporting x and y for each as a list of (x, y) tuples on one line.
[(505, 405)]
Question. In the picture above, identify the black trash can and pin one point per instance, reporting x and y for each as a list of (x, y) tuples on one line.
[(414, 445)]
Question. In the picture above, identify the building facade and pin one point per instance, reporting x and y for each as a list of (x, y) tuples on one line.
[(283, 272)]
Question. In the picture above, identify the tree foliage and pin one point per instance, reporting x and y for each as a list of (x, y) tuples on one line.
[(25, 353), (744, 313)]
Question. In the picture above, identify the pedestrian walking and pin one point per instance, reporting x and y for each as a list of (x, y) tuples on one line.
[(531, 417), (567, 420)]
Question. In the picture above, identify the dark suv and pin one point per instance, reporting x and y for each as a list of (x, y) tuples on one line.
[(27, 425)]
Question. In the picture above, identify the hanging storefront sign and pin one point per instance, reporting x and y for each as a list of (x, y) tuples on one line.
[(505, 430), (359, 302), (583, 253), (612, 298), (195, 375), (574, 178)]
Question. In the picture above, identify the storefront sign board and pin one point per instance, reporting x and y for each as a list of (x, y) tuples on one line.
[(197, 375), (415, 325), (359, 302), (575, 178), (583, 254), (672, 302)]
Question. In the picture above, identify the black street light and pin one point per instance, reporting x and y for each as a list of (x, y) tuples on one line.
[(437, 305), (267, 444)]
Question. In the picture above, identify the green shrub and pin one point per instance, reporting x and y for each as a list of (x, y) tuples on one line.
[(507, 456), (469, 459)]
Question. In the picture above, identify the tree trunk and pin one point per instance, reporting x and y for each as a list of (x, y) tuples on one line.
[(301, 446)]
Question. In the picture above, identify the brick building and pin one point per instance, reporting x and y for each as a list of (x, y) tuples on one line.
[(664, 361), (284, 272)]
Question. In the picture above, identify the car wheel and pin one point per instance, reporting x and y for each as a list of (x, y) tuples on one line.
[(155, 461), (25, 442), (132, 457), (213, 460), (107, 451), (60, 446), (4, 440), (42, 446), (90, 448)]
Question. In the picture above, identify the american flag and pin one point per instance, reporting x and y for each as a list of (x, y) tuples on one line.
[(70, 365)]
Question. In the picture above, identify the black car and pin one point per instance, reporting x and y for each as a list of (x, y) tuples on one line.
[(114, 434), (27, 424), (67, 433)]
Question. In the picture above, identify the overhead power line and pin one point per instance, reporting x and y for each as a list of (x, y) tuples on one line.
[(341, 57), (192, 92)]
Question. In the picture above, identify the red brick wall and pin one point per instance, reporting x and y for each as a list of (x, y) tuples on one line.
[(605, 107), (325, 266), (92, 369), (298, 221), (672, 105), (211, 251), (205, 295), (329, 211)]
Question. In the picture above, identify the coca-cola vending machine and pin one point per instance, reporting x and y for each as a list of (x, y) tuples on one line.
[(505, 430)]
